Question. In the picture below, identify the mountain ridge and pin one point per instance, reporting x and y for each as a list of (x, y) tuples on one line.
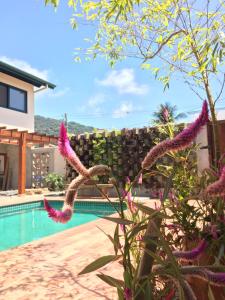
[(50, 126)]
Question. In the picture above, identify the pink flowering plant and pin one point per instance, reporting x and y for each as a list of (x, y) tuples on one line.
[(154, 266)]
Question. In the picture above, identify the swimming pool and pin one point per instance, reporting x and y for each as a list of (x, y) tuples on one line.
[(23, 223)]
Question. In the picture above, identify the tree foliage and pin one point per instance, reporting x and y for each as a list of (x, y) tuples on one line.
[(167, 113), (170, 37)]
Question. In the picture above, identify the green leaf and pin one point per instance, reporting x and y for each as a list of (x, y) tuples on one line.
[(118, 220), (99, 263), (136, 229), (149, 211), (111, 281), (116, 241)]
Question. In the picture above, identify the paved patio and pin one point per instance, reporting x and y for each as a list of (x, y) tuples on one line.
[(47, 269)]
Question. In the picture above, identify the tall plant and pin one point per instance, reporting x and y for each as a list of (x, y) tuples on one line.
[(151, 268)]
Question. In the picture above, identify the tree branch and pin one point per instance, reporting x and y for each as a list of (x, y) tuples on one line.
[(163, 44)]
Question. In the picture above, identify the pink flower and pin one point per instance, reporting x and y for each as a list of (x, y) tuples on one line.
[(127, 294), (131, 205), (56, 215), (218, 187), (140, 179), (192, 254), (214, 231), (215, 278), (67, 210), (179, 142), (203, 273), (122, 227), (67, 152)]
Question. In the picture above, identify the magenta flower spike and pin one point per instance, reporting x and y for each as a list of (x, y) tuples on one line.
[(192, 254), (67, 152), (179, 142), (127, 294), (215, 278), (140, 179), (56, 215), (218, 187), (65, 215)]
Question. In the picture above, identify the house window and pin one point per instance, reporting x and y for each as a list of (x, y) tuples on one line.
[(13, 98), (3, 95)]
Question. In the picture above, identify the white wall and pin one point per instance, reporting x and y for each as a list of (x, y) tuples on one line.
[(202, 154), (16, 119)]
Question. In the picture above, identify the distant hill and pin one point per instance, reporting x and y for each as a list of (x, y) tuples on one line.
[(51, 126)]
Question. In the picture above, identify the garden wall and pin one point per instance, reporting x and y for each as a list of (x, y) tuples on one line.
[(122, 150)]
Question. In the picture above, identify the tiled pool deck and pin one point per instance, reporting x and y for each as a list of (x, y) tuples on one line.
[(48, 268)]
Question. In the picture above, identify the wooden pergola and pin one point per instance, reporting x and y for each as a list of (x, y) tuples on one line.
[(24, 139)]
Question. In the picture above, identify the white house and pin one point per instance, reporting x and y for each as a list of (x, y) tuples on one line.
[(17, 129), (17, 97)]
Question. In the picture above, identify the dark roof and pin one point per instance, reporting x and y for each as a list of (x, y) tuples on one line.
[(24, 76)]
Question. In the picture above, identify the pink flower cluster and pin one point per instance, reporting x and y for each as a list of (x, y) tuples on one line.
[(67, 152), (218, 187), (192, 254), (181, 141)]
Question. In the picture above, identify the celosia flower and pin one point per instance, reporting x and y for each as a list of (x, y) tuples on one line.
[(65, 215), (140, 179), (131, 205), (128, 294), (179, 142), (214, 278), (218, 187), (122, 227), (67, 152), (192, 254), (56, 215), (203, 273), (214, 231)]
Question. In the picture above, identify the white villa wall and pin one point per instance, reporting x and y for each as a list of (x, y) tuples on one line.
[(16, 119), (202, 154)]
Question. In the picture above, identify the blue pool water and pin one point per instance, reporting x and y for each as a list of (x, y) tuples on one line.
[(20, 224)]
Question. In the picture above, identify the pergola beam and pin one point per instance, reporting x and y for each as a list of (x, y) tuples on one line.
[(22, 164)]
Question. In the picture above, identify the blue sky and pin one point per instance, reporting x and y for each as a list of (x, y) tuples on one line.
[(40, 40)]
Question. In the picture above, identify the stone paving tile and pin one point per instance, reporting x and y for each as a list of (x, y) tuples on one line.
[(48, 269)]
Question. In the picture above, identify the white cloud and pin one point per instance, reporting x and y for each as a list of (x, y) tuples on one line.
[(96, 100), (124, 82), (123, 110), (25, 66), (49, 93)]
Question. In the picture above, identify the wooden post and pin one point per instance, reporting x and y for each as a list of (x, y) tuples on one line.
[(22, 164)]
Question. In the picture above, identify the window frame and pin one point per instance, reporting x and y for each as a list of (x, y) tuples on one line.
[(8, 98)]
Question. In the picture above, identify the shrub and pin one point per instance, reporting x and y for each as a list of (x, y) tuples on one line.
[(55, 182)]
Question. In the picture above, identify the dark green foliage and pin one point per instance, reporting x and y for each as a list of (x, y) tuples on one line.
[(51, 126), (55, 182)]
